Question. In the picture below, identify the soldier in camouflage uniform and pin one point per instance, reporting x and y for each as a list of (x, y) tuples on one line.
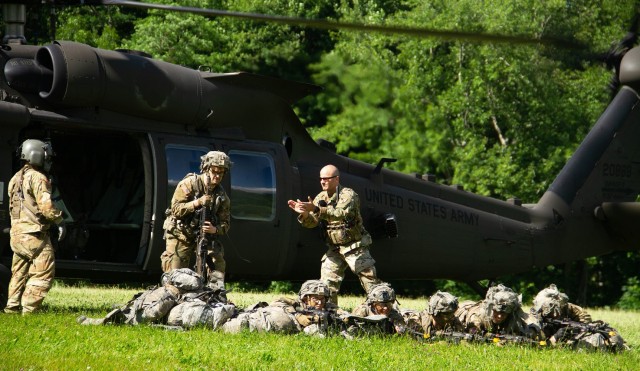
[(193, 193), (337, 211), (381, 300), (181, 301), (551, 303), (32, 214), (551, 306), (438, 316), (499, 313), (307, 313)]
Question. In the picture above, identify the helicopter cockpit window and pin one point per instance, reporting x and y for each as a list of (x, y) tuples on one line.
[(181, 160), (253, 186)]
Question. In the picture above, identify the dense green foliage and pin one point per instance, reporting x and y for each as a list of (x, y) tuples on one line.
[(499, 118), (53, 340)]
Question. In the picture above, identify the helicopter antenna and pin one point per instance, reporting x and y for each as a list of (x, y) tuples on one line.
[(381, 164), (420, 32)]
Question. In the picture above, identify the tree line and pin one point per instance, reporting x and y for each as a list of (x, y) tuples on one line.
[(499, 118)]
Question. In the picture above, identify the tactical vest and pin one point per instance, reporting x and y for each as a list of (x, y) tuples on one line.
[(344, 232), (22, 205), (187, 227)]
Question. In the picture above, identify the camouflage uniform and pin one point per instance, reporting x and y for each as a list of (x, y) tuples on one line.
[(181, 301), (347, 240), (550, 304), (381, 293), (286, 315), (32, 213), (439, 303), (181, 226), (476, 316)]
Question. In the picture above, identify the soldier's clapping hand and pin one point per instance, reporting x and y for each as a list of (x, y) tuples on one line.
[(301, 207)]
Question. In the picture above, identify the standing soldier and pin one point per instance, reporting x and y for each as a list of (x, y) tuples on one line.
[(32, 213), (193, 194), (337, 210)]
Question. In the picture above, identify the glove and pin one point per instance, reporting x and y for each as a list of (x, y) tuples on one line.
[(306, 320), (62, 231), (204, 201)]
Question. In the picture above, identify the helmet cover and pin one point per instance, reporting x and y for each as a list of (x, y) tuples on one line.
[(442, 302), (215, 158), (381, 293), (314, 287)]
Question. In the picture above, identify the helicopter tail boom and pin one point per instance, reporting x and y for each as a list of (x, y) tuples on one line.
[(603, 174)]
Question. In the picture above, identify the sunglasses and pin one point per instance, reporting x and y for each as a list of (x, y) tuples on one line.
[(327, 178)]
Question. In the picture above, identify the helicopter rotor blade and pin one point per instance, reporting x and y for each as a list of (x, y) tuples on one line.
[(419, 32)]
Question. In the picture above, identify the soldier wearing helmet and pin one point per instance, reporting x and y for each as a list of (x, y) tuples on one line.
[(381, 300), (439, 315), (192, 194), (337, 211), (307, 313), (559, 319), (32, 214), (551, 303), (499, 313)]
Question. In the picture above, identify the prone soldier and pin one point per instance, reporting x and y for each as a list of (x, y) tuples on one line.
[(308, 313), (499, 313), (180, 302), (32, 214), (195, 194), (439, 315), (565, 323), (381, 300)]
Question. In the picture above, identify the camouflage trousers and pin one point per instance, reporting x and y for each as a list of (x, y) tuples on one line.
[(30, 278), (334, 265), (178, 255)]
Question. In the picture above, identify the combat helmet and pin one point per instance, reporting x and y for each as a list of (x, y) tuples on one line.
[(313, 287), (550, 302), (381, 293), (215, 158), (502, 299), (442, 302), (37, 153)]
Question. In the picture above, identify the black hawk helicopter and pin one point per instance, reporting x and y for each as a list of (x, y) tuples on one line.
[(126, 128)]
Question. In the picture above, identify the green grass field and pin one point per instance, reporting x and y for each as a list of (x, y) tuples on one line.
[(52, 340)]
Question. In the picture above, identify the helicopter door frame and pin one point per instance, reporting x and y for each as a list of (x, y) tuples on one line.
[(277, 230), (186, 152)]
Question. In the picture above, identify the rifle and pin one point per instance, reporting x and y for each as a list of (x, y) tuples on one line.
[(573, 333), (205, 240), (573, 328), (489, 338), (348, 325)]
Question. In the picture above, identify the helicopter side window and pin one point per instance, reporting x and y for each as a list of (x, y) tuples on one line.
[(181, 160), (253, 186)]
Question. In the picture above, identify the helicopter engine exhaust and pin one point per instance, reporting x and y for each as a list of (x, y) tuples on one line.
[(77, 75)]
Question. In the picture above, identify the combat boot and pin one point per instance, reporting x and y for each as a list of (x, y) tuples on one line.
[(84, 320)]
